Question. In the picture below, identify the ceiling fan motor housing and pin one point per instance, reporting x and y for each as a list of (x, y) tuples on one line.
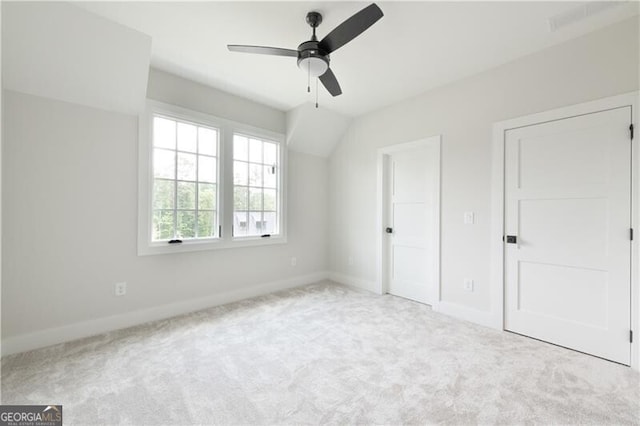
[(312, 59)]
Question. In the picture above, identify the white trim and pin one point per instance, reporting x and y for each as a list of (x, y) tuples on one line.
[(635, 221), (381, 204), (354, 282), (497, 204), (226, 130), (52, 336), (464, 313), (1, 150)]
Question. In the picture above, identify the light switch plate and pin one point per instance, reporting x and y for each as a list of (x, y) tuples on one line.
[(468, 285), (469, 218)]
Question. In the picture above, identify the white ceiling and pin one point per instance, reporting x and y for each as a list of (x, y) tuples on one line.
[(416, 46)]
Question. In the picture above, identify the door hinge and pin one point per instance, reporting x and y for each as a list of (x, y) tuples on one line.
[(219, 231), (630, 336), (631, 234), (631, 130)]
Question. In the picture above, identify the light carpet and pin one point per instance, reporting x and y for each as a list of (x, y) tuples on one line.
[(321, 354)]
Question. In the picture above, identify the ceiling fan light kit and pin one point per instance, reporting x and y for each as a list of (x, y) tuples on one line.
[(314, 65), (313, 55)]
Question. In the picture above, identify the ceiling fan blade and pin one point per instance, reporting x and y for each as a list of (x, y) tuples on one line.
[(330, 82), (263, 50), (351, 28)]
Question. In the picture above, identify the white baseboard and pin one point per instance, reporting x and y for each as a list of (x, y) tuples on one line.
[(355, 282), (485, 318), (52, 336)]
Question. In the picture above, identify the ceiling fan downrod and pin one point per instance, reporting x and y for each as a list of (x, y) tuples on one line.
[(314, 19)]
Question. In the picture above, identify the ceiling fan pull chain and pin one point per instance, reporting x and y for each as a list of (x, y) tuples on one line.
[(317, 92), (308, 78)]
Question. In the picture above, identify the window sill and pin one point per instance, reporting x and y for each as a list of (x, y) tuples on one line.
[(149, 249)]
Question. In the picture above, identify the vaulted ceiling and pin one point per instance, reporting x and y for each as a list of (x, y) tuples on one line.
[(416, 46), (98, 53)]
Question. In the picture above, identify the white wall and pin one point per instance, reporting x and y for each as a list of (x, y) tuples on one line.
[(70, 215), (107, 67), (598, 65), (174, 90)]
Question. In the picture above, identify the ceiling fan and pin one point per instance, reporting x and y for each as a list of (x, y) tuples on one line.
[(313, 55)]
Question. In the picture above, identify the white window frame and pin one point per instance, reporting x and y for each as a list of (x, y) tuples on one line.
[(226, 130)]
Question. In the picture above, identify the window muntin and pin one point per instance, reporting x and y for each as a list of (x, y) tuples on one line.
[(185, 179), (256, 191)]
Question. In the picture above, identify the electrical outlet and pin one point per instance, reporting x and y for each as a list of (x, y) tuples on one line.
[(121, 289), (468, 285), (294, 261)]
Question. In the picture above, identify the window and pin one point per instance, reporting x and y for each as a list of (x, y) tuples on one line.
[(207, 183), (255, 186), (185, 168)]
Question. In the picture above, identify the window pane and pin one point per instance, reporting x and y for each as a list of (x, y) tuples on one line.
[(255, 199), (240, 148), (206, 224), (207, 196), (186, 224), (162, 225), (255, 174), (187, 137), (240, 198), (270, 200), (164, 133), (240, 173), (207, 141), (255, 151), (186, 166), (163, 194), (270, 177), (270, 153), (206, 169), (269, 219), (186, 195), (164, 163), (240, 224), (255, 223)]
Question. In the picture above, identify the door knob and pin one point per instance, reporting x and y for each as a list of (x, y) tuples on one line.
[(389, 230)]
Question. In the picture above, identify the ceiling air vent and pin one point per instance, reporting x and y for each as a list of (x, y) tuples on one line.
[(580, 12)]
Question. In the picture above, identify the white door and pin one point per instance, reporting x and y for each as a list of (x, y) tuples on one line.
[(412, 222), (568, 204)]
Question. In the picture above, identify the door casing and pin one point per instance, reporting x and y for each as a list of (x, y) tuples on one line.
[(498, 202)]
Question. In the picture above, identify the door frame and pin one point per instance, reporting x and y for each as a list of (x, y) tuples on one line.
[(382, 200), (497, 202)]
